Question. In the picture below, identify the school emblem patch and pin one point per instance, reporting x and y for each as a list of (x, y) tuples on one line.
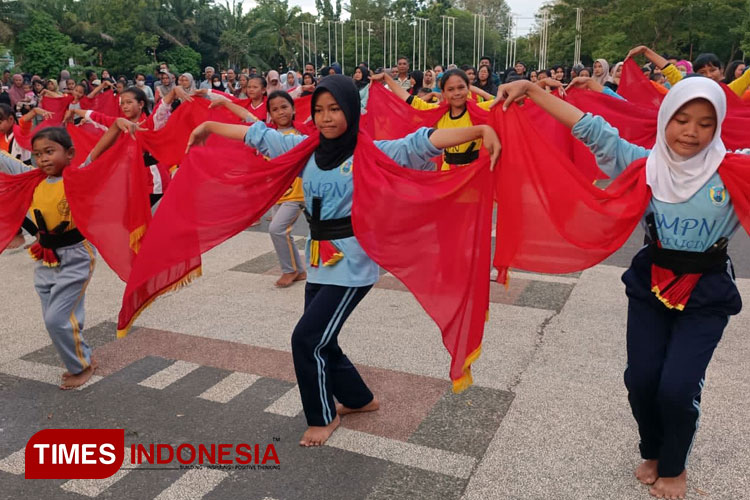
[(718, 195), (63, 208), (346, 167)]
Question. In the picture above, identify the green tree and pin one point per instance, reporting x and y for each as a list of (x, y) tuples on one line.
[(43, 49), (182, 59)]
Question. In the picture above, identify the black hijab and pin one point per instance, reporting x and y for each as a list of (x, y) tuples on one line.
[(331, 153), (418, 81), (365, 81)]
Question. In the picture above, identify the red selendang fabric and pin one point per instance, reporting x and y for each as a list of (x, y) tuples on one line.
[(389, 117), (302, 109), (219, 191), (551, 218), (84, 138), (636, 87), (16, 192), (169, 142), (104, 102), (109, 201), (57, 106), (636, 124), (407, 222), (23, 140)]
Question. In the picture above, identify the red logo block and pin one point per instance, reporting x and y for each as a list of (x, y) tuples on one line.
[(74, 453)]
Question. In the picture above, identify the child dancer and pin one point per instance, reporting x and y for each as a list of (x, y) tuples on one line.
[(680, 287), (454, 86), (333, 290), (280, 106), (65, 260)]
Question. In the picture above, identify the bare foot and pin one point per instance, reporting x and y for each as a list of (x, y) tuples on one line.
[(77, 380), (17, 241), (256, 223), (647, 472), (373, 405), (671, 488), (317, 436), (286, 280), (301, 277)]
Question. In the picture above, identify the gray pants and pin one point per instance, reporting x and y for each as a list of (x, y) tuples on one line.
[(62, 290), (284, 216)]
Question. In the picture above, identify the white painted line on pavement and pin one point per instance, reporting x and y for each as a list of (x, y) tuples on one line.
[(14, 463), (169, 375), (549, 278), (412, 455), (229, 387), (195, 483), (93, 487), (40, 372), (288, 405)]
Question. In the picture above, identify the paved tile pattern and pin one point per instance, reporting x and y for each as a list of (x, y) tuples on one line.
[(547, 416)]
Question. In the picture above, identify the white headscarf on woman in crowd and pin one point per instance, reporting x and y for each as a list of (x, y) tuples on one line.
[(614, 72), (605, 74), (191, 80), (675, 179), (273, 75), (286, 85)]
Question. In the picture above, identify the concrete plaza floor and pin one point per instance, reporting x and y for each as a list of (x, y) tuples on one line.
[(547, 417)]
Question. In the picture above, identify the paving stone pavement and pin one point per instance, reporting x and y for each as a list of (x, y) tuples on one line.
[(547, 417)]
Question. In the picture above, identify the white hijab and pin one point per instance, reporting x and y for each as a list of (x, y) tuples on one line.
[(674, 179), (605, 73)]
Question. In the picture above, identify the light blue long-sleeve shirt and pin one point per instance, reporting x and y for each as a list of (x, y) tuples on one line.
[(693, 225), (335, 188)]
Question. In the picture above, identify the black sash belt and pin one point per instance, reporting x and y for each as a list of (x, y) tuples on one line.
[(682, 262), (464, 158), (58, 237), (55, 241), (329, 229)]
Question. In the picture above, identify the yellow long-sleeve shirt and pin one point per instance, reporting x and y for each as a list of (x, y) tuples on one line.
[(738, 86), (448, 121)]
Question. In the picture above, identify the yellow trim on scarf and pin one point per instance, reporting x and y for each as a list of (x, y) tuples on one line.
[(184, 281), (314, 253), (135, 238), (335, 258), (665, 301), (464, 381)]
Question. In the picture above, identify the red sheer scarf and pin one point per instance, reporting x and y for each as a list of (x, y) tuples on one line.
[(105, 102), (551, 218), (221, 190), (109, 200), (389, 117), (16, 192), (394, 215)]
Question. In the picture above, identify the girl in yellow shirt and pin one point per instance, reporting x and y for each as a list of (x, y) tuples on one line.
[(455, 89)]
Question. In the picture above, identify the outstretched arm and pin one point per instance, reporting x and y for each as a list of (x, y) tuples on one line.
[(392, 84), (201, 132), (111, 135), (652, 56), (486, 95), (448, 137), (234, 108), (564, 112)]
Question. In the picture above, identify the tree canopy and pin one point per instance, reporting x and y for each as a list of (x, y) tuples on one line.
[(128, 35)]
